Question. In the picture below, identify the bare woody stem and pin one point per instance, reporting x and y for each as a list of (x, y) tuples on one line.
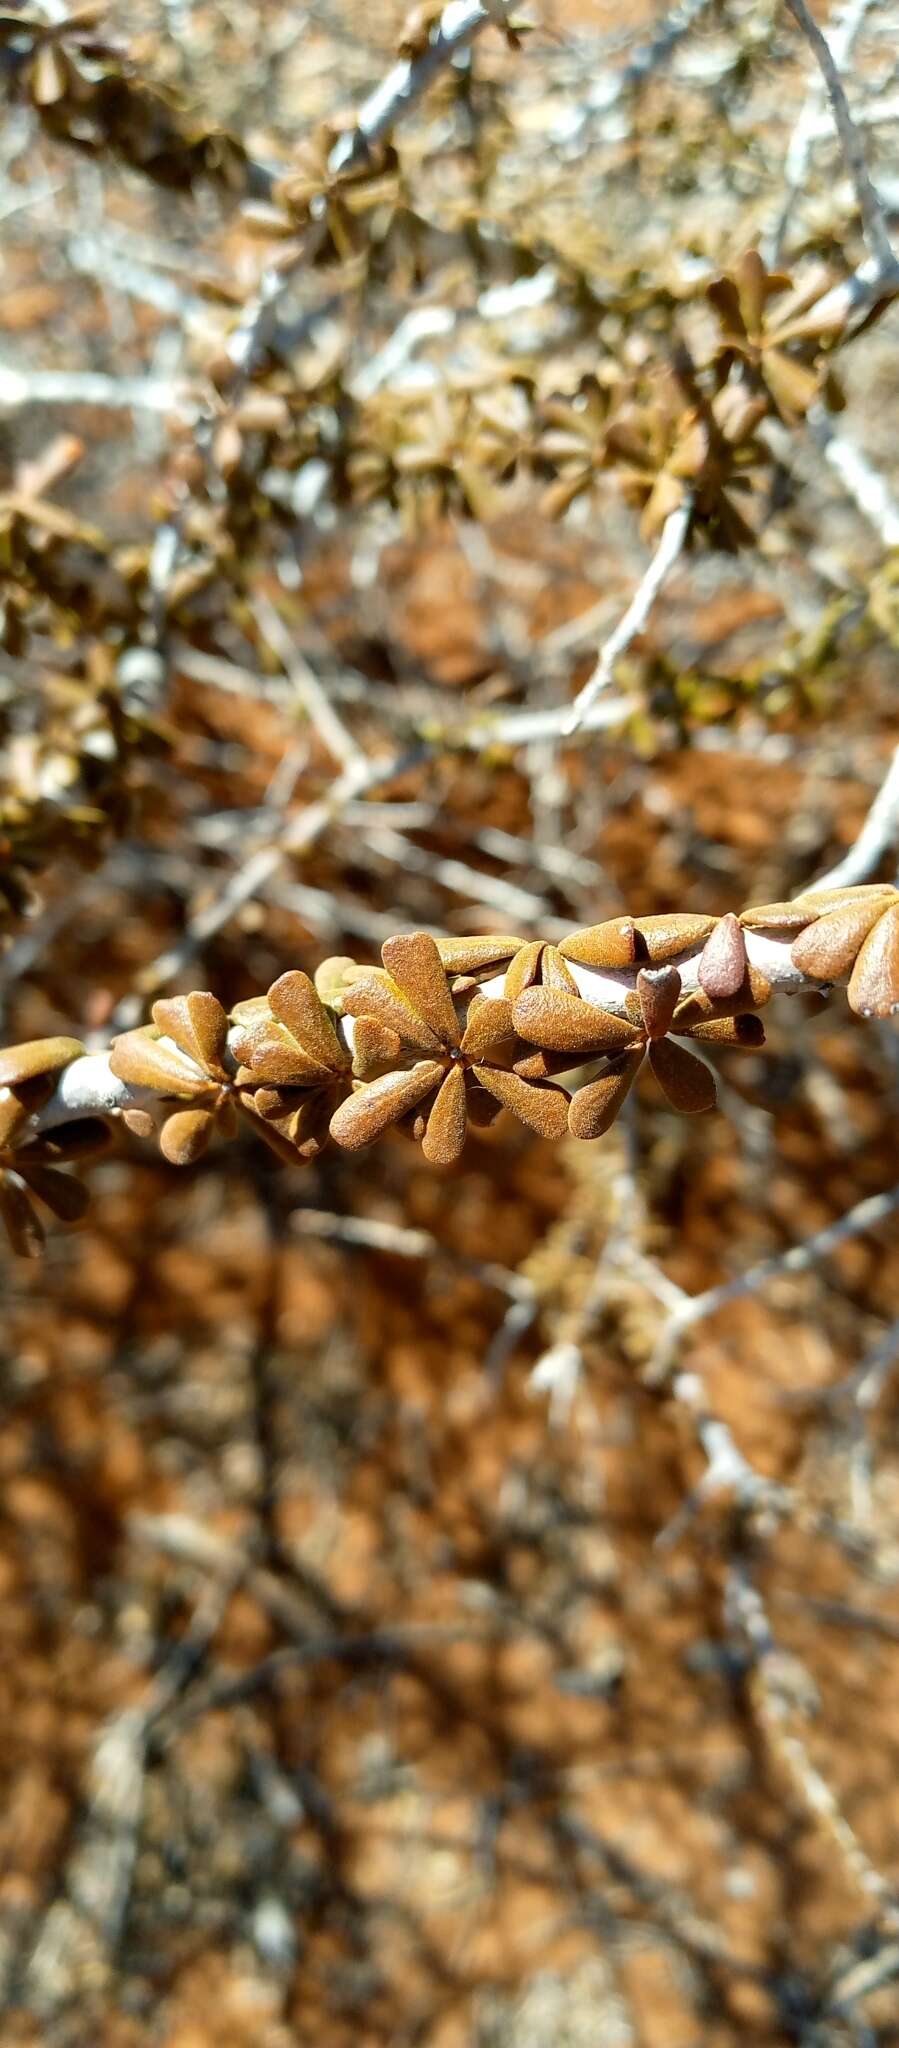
[(459, 24), (869, 204)]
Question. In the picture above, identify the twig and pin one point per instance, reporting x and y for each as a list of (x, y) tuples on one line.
[(359, 775), (879, 831), (864, 484), (92, 387), (371, 1234), (776, 1690), (809, 127), (671, 545), (865, 1215), (610, 90), (81, 1930), (314, 698), (869, 204), (459, 24)]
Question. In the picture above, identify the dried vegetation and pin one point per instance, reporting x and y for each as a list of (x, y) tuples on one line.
[(448, 1589)]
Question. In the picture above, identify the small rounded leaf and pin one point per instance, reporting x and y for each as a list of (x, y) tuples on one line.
[(746, 1031), (563, 1023), (36, 1058), (829, 948), (472, 956), (375, 1104), (413, 961), (613, 944), (13, 1114), (723, 963), (778, 917), (524, 970), (373, 995), (658, 992), (294, 1000), (874, 983), (667, 936), (145, 1061), (594, 1108), (198, 1024), (185, 1136), (489, 1022), (555, 974), (542, 1107), (444, 1134), (65, 1197), (374, 1047), (687, 1083), (22, 1226)]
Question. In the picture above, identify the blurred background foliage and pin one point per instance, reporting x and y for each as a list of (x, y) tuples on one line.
[(389, 1654)]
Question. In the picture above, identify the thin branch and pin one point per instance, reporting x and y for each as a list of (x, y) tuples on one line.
[(808, 129), (779, 1692), (459, 24), (92, 387), (672, 541), (863, 483), (879, 831), (865, 1215), (870, 205), (403, 87)]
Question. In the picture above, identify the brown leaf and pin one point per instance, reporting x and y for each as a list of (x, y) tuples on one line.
[(857, 892), (375, 1104), (778, 917), (270, 1053), (555, 974), (13, 1114), (542, 1107), (139, 1122), (65, 1197), (294, 1000), (140, 1058), (198, 1025), (37, 1057), (664, 937), (524, 970), (83, 1139), (593, 1109), (185, 1136), (723, 963), (444, 1135), (23, 1228), (414, 963), (687, 1083), (874, 984), (470, 956), (613, 944), (333, 977), (829, 947), (542, 1066), (301, 1123), (658, 990), (563, 1023), (489, 1022), (374, 996), (373, 1047), (746, 1031), (483, 1109)]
